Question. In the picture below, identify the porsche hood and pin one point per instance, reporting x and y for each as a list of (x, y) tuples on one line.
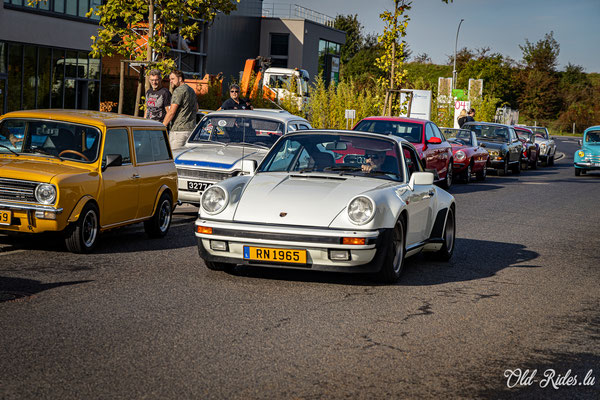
[(311, 199)]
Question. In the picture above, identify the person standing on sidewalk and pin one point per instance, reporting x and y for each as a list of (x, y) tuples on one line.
[(158, 97), (182, 112), (471, 115)]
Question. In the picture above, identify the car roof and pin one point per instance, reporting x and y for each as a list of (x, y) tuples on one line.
[(85, 117), (279, 115), (397, 119)]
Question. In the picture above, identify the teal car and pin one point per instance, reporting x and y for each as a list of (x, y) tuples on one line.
[(588, 157)]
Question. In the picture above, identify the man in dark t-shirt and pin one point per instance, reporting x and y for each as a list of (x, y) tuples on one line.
[(158, 97), (235, 102)]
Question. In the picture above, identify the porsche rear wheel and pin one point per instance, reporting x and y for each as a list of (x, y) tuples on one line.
[(445, 253), (394, 258)]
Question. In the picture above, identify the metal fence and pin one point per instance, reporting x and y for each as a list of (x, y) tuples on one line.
[(281, 10)]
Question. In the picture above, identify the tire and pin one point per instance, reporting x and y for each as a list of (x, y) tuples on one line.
[(551, 161), (218, 266), (517, 168), (577, 171), (393, 262), (447, 182), (468, 173), (445, 253), (524, 165), (583, 171), (82, 236), (158, 225), (504, 170), (535, 164), (481, 175)]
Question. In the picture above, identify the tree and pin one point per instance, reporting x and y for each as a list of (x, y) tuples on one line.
[(497, 73), (354, 38), (422, 58), (543, 55)]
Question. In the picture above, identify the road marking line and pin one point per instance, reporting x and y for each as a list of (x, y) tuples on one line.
[(535, 183)]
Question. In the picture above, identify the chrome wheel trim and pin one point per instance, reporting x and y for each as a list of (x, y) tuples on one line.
[(89, 228), (164, 215), (449, 231), (398, 243), (468, 174), (449, 177)]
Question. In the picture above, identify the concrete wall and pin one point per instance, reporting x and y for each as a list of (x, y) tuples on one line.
[(313, 32), (27, 27)]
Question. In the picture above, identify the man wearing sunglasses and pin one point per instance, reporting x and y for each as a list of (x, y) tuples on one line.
[(235, 102), (373, 162)]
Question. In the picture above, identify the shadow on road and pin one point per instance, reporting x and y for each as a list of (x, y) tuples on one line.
[(13, 289), (473, 259)]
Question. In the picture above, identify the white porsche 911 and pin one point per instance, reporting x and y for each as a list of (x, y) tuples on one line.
[(342, 201)]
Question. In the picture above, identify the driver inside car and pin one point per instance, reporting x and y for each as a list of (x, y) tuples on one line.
[(373, 162)]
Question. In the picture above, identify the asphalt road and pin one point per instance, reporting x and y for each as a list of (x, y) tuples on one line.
[(144, 319)]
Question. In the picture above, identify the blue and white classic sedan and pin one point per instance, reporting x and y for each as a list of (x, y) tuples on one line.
[(343, 201), (223, 142), (588, 157)]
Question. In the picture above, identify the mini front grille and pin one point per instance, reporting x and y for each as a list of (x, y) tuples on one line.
[(13, 189), (204, 174)]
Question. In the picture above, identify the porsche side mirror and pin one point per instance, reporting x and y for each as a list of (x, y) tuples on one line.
[(420, 178), (248, 167)]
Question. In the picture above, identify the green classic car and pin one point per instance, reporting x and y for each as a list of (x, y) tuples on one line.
[(588, 157)]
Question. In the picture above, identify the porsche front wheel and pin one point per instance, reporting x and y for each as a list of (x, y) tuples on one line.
[(395, 253)]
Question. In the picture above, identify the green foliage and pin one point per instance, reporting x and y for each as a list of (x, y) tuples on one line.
[(354, 37), (213, 99), (426, 74), (326, 106), (542, 55), (499, 78)]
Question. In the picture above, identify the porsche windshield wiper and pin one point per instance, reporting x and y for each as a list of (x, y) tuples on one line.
[(343, 168), (9, 149)]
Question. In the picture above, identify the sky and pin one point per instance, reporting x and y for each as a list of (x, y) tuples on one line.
[(501, 25)]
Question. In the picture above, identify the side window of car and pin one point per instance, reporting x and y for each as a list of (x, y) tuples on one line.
[(292, 127), (411, 160), (513, 134), (117, 142), (428, 132), (437, 132), (303, 127), (150, 146)]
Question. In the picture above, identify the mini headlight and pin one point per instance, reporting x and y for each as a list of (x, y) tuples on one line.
[(581, 153), (45, 193), (214, 200), (361, 210), (460, 155)]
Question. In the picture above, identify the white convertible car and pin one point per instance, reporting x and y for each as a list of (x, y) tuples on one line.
[(223, 142), (330, 201)]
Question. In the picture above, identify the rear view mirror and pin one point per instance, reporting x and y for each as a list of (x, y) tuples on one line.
[(112, 160), (336, 146), (248, 167)]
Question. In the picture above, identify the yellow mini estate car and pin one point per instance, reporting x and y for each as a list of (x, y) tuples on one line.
[(83, 172)]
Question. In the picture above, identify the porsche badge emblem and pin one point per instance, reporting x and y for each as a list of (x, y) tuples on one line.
[(282, 214)]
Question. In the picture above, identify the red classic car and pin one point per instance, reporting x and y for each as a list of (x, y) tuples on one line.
[(434, 151), (530, 155), (468, 156)]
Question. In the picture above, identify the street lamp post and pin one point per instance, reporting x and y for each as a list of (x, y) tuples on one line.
[(455, 44)]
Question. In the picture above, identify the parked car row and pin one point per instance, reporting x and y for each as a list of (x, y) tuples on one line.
[(271, 190)]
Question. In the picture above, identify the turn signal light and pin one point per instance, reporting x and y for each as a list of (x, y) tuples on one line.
[(353, 240), (204, 229)]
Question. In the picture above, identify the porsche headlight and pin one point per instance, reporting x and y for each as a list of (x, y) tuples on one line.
[(581, 153), (214, 200), (361, 210), (460, 155), (45, 193)]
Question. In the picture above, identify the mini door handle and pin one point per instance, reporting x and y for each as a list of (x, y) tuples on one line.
[(135, 176)]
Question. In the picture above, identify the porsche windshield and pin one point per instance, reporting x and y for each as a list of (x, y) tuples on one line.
[(50, 138), (233, 129), (335, 153), (407, 130)]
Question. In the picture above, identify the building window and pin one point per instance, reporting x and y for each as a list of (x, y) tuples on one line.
[(43, 77), (329, 61), (74, 8), (279, 49)]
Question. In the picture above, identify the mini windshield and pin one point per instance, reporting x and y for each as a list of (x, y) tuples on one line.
[(593, 137), (334, 153), (459, 136), (489, 132), (232, 130), (410, 131), (59, 139)]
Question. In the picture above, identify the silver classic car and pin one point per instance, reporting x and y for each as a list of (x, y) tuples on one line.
[(226, 144), (344, 201), (547, 145)]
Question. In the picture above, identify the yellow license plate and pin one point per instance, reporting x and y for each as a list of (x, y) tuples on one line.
[(5, 217), (276, 255)]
